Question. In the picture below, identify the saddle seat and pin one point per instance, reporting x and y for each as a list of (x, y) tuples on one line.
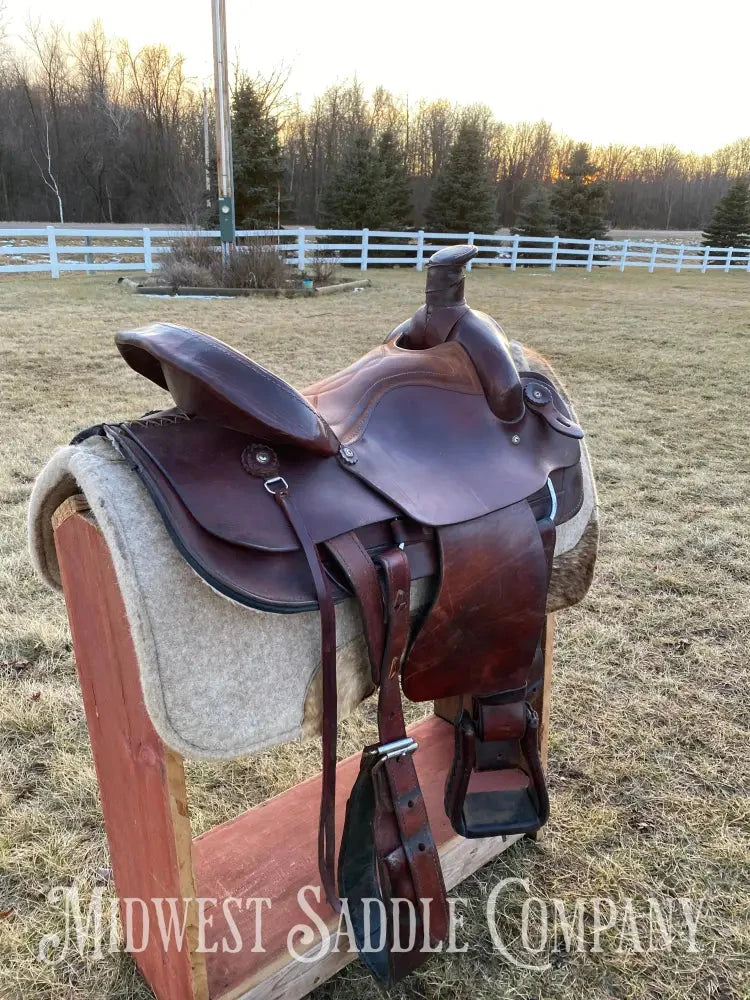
[(405, 423), (209, 379)]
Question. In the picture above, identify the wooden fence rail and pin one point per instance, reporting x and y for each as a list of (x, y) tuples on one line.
[(56, 249)]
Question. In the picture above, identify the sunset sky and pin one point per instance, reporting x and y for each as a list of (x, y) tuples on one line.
[(637, 72)]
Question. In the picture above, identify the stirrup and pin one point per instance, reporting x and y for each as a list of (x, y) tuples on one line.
[(484, 799)]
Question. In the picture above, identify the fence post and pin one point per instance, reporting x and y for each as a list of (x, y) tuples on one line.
[(54, 263), (652, 258), (89, 256), (553, 259), (365, 244), (470, 242), (590, 258), (148, 261), (624, 255), (728, 263), (704, 262), (514, 253), (680, 255), (420, 249), (301, 248)]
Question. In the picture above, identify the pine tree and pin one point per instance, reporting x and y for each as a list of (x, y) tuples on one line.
[(396, 205), (463, 199), (730, 225), (351, 198), (535, 216), (579, 200), (257, 160)]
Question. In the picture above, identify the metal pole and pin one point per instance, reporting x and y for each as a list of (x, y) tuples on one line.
[(223, 127), (206, 154)]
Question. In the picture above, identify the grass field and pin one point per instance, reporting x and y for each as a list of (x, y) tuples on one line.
[(649, 748)]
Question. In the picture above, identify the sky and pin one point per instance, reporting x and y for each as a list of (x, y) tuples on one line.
[(637, 72)]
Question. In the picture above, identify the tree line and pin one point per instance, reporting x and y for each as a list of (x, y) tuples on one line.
[(92, 131)]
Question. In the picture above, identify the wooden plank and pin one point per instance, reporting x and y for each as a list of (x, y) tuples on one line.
[(546, 696), (142, 784), (447, 708), (271, 851), (52, 248), (148, 261), (77, 504)]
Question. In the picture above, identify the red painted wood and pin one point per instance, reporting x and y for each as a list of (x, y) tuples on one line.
[(129, 756), (271, 850)]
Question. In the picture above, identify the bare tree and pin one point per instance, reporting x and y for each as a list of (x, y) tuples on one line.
[(45, 169)]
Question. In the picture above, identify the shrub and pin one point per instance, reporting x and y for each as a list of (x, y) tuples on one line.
[(185, 273), (190, 263), (258, 265), (194, 263), (322, 267), (194, 250)]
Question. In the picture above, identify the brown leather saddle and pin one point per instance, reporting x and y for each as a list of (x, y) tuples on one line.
[(430, 457)]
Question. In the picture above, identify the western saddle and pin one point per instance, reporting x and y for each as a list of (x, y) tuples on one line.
[(430, 457)]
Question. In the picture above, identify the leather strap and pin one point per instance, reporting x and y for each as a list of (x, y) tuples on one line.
[(356, 564), (326, 828), (387, 849), (405, 794)]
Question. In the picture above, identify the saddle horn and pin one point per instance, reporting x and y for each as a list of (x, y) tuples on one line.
[(446, 277), (446, 316)]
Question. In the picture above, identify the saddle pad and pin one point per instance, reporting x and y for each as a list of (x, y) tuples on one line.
[(204, 659)]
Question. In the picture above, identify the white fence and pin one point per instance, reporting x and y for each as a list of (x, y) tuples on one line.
[(55, 249)]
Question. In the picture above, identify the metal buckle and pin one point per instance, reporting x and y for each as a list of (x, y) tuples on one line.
[(532, 717), (398, 748), (276, 479)]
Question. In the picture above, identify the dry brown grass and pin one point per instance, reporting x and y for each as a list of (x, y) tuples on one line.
[(649, 756)]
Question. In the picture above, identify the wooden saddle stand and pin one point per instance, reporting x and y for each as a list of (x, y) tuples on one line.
[(431, 457)]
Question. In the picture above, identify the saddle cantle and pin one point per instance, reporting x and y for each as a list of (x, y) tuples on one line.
[(429, 458)]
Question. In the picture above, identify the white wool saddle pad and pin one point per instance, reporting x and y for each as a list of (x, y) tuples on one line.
[(219, 679)]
